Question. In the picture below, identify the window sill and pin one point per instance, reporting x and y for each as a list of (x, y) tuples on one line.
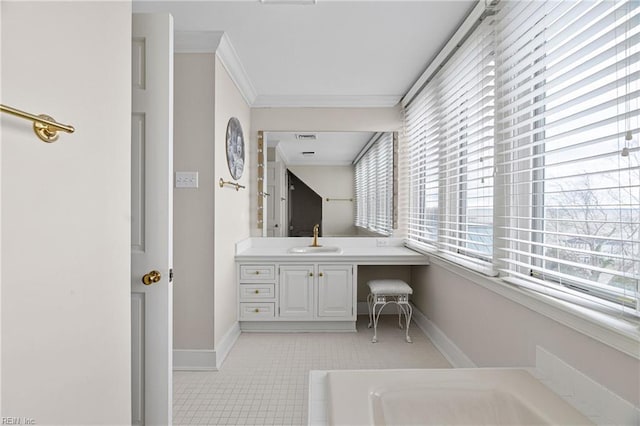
[(620, 334)]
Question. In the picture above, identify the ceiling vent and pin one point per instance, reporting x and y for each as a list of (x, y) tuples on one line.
[(306, 136)]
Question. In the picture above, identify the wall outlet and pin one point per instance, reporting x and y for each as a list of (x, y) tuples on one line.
[(186, 179), (382, 242)]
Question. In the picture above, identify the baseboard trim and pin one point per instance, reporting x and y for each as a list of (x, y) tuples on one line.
[(194, 360), (206, 359), (227, 342), (449, 350), (211, 360), (298, 326)]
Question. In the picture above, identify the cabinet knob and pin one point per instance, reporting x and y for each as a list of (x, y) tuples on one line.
[(257, 310), (310, 274), (321, 274), (257, 291), (257, 272)]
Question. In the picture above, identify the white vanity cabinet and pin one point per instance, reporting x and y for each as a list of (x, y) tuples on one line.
[(286, 285), (323, 291), (334, 292), (297, 296), (257, 292), (296, 291)]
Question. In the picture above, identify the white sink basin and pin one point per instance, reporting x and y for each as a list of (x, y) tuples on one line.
[(315, 250)]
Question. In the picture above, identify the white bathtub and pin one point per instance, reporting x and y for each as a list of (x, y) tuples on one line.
[(444, 396)]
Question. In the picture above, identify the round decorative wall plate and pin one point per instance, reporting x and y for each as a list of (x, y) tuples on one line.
[(235, 148)]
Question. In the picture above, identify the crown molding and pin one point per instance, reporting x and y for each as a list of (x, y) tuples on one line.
[(219, 43), (282, 154), (231, 61), (326, 101)]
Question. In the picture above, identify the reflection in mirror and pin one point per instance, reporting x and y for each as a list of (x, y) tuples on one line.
[(309, 178)]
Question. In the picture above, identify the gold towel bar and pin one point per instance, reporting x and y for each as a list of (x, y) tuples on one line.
[(235, 184), (44, 126), (339, 199)]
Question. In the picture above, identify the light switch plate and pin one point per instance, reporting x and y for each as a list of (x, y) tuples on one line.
[(186, 179)]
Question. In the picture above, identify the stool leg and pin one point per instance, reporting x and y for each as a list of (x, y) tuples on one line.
[(375, 322), (400, 310), (369, 302), (408, 317)]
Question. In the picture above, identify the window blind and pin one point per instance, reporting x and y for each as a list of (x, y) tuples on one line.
[(374, 186), (450, 132), (568, 176), (422, 138)]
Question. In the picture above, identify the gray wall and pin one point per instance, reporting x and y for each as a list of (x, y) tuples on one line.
[(193, 233), (208, 221), (494, 331)]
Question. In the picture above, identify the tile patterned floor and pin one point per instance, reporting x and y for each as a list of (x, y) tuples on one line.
[(265, 378)]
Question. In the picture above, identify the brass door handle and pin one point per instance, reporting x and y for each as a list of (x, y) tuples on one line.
[(151, 278)]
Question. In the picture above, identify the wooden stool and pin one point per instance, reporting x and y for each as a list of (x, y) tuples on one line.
[(383, 292)]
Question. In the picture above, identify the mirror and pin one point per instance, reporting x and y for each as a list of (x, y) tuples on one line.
[(308, 177)]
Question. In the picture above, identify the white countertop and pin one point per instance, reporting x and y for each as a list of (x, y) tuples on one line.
[(360, 250)]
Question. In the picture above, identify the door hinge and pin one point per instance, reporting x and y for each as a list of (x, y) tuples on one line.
[(171, 275)]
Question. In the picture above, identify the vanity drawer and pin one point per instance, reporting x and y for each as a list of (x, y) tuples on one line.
[(257, 291), (254, 311), (257, 272)]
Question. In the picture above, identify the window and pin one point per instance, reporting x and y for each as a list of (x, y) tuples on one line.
[(523, 151), (450, 131), (374, 186), (569, 177)]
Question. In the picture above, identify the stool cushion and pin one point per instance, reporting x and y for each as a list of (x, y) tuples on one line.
[(389, 287)]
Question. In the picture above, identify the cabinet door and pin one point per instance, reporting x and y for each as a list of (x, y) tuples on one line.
[(335, 291), (296, 291)]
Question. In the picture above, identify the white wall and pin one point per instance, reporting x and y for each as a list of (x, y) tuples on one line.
[(332, 182), (232, 220), (316, 119), (494, 331), (193, 233), (66, 213)]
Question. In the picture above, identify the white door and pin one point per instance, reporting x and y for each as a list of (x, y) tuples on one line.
[(296, 291), (335, 291), (275, 201), (280, 198), (151, 218), (271, 203)]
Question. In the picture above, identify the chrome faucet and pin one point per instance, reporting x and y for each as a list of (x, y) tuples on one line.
[(316, 229)]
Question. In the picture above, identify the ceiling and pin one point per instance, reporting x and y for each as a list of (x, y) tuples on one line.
[(330, 53), (329, 148)]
